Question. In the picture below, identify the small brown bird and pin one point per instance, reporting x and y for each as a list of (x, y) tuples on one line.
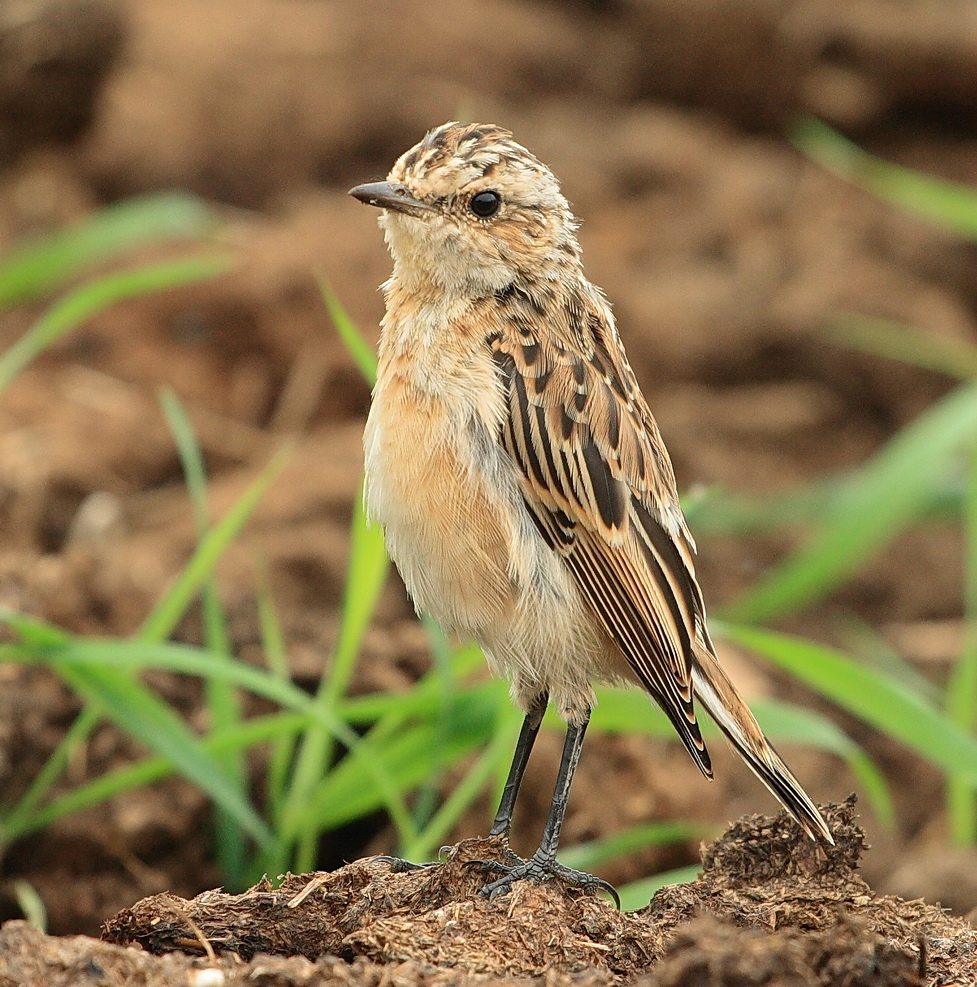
[(525, 492)]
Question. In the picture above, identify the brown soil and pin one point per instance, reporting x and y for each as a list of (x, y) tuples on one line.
[(770, 908), (724, 252)]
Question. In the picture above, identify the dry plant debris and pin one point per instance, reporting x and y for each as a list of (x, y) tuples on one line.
[(770, 908)]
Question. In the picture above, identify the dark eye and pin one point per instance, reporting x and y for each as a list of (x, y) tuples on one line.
[(485, 204)]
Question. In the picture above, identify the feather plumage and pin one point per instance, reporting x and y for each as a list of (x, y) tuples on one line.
[(556, 538)]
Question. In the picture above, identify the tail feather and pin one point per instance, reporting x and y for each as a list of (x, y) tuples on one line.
[(724, 704)]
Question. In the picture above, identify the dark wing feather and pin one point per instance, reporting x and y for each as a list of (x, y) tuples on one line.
[(599, 486)]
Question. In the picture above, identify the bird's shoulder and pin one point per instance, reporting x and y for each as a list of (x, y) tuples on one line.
[(578, 420)]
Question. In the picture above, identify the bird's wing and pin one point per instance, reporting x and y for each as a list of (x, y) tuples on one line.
[(598, 483)]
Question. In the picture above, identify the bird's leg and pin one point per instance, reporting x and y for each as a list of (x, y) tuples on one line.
[(503, 818), (520, 758), (542, 864), (524, 747)]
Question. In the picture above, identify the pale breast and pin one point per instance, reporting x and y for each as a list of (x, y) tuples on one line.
[(448, 536), (450, 502)]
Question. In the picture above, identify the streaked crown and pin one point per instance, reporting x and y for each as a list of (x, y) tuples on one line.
[(495, 212)]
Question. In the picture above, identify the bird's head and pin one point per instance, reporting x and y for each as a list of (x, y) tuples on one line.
[(470, 210)]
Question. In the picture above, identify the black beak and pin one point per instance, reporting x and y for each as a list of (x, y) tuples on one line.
[(390, 195)]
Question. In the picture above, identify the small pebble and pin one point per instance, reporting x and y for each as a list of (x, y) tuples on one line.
[(210, 977)]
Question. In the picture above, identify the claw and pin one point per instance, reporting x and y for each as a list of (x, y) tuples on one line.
[(538, 870), (599, 884), (400, 866)]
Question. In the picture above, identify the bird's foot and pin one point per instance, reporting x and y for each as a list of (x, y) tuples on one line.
[(400, 866), (538, 869), (510, 860)]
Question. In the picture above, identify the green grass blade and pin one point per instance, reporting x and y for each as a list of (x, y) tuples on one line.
[(589, 856), (151, 769), (344, 795), (30, 903), (144, 716), (907, 344), (882, 498), (32, 631), (69, 312), (273, 642), (167, 614), (52, 261), (113, 657), (37, 634), (365, 578), (420, 701), (961, 695), (867, 646), (722, 512), (272, 635), (222, 700), (881, 702), (130, 657), (27, 807), (426, 797), (356, 344), (170, 610), (948, 204), (191, 456), (496, 755), (639, 893)]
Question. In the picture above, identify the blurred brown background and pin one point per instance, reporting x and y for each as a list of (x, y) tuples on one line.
[(723, 251)]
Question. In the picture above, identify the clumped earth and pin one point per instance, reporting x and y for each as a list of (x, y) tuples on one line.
[(725, 253), (770, 908)]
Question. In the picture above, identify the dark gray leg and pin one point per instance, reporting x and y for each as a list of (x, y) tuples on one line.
[(503, 818), (542, 864), (561, 795), (524, 747)]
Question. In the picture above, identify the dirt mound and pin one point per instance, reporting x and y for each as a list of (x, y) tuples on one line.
[(770, 908)]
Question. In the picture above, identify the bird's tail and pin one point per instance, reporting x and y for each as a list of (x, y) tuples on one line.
[(724, 704)]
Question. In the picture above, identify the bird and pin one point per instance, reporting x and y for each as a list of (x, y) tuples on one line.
[(521, 481)]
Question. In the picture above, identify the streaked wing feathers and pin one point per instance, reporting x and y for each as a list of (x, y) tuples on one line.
[(599, 486)]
